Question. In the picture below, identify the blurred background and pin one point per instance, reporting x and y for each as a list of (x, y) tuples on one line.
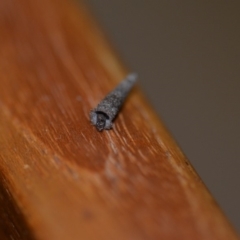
[(187, 54)]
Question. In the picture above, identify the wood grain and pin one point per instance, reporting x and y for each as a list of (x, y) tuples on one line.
[(62, 179)]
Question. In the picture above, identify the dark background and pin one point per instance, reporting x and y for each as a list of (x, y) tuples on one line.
[(187, 54)]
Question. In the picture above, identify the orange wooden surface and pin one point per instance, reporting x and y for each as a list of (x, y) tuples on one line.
[(62, 179)]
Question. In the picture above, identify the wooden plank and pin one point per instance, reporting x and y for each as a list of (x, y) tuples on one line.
[(62, 179)]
